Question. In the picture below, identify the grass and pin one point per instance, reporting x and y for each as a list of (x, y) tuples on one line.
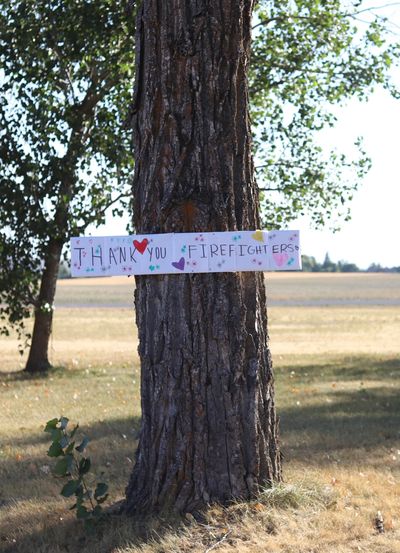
[(337, 385), (88, 338)]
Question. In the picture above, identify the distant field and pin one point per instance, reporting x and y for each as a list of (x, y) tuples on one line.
[(282, 289), (333, 289), (98, 316), (337, 368)]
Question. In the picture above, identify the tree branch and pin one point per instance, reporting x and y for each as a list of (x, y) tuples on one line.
[(92, 98), (102, 211), (63, 68), (372, 8), (316, 19), (281, 18), (218, 543), (281, 163)]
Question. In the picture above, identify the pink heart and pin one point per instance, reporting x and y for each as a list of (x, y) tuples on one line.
[(280, 258), (179, 264)]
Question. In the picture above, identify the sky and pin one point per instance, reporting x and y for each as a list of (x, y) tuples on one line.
[(373, 233)]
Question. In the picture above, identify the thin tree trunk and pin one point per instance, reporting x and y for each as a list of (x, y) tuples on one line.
[(209, 429), (38, 359)]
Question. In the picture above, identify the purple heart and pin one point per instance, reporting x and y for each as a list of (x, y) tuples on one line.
[(179, 264)]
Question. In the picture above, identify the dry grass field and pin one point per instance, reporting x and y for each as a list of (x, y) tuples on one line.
[(337, 364), (283, 289)]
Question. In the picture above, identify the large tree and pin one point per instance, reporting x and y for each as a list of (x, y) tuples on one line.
[(64, 153), (209, 429), (65, 70)]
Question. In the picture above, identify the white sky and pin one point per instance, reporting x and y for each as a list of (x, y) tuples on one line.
[(373, 234)]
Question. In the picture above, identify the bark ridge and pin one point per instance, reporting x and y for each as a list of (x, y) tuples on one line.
[(209, 429)]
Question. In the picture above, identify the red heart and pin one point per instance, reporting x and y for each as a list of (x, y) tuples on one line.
[(141, 246)]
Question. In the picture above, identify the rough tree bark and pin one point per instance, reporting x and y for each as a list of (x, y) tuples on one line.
[(209, 429)]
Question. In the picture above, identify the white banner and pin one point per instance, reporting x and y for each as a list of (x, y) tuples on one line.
[(207, 252)]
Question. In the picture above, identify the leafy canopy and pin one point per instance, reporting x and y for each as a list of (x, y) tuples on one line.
[(309, 55), (65, 86)]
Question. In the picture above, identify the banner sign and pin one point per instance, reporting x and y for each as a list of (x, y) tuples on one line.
[(207, 252)]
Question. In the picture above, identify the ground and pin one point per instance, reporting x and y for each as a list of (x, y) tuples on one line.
[(335, 344)]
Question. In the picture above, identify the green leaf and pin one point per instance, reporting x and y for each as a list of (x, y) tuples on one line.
[(70, 488), (84, 466), (50, 425), (56, 434), (64, 466), (83, 444), (79, 492), (100, 490), (55, 450), (82, 512)]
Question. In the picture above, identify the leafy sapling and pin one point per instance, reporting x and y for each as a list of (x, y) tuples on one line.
[(73, 464)]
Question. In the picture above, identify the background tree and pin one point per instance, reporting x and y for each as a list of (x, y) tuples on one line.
[(346, 267), (308, 56), (328, 266), (208, 420), (64, 153), (309, 264)]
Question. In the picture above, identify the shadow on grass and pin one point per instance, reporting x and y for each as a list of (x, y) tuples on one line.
[(353, 410), (22, 375), (363, 367), (58, 371), (351, 426), (61, 536), (122, 428), (111, 449), (37, 518)]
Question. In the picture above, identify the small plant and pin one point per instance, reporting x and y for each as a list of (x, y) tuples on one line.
[(74, 465)]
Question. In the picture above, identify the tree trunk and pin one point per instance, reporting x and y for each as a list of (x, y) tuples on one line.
[(209, 429), (38, 359)]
